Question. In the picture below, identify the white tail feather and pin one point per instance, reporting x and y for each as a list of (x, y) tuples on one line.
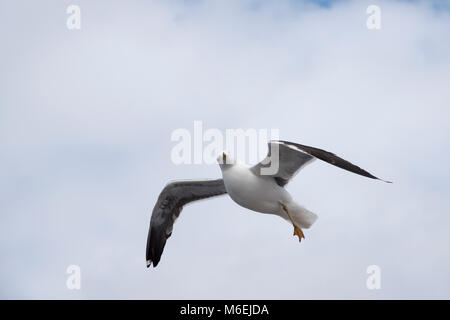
[(302, 216)]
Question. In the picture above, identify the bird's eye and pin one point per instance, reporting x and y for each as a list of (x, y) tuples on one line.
[(224, 156)]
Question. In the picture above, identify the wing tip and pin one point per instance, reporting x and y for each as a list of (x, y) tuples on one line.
[(287, 143), (150, 262)]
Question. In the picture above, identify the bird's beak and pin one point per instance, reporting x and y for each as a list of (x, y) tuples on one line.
[(224, 157)]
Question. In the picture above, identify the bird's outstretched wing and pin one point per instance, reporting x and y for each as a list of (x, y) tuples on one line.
[(168, 207), (293, 156)]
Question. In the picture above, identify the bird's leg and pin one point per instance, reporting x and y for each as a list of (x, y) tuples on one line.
[(297, 231)]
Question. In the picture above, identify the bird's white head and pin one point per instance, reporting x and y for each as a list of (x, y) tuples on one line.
[(225, 160)]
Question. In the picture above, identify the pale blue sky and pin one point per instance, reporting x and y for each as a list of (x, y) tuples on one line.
[(85, 124)]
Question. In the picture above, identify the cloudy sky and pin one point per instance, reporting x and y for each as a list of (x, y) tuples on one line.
[(86, 118)]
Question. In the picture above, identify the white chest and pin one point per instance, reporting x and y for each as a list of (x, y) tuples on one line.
[(253, 192)]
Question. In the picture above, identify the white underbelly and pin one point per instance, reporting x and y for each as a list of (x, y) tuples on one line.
[(261, 194)]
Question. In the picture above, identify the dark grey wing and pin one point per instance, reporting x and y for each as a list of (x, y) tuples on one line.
[(283, 167), (332, 159), (294, 156), (168, 207)]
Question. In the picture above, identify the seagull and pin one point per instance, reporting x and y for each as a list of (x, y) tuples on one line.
[(260, 188)]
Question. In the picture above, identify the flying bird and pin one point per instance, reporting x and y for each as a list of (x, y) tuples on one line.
[(259, 188)]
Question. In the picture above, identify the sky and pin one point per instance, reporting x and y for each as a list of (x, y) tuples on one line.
[(86, 118)]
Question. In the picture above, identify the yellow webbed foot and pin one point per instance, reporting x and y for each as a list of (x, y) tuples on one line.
[(299, 233)]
